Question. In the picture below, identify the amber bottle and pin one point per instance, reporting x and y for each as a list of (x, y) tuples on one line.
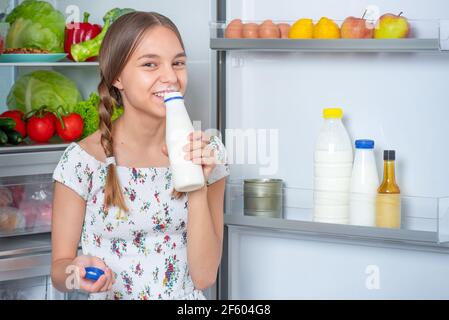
[(388, 199)]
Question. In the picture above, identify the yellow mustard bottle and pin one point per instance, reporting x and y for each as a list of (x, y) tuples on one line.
[(388, 199)]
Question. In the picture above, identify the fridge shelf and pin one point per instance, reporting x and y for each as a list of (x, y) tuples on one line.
[(321, 45), (425, 36), (424, 219), (30, 159), (326, 230), (33, 147)]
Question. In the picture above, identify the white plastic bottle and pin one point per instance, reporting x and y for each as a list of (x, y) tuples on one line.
[(186, 175), (364, 184), (332, 170)]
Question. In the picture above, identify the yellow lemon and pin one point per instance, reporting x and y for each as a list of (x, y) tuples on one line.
[(326, 29), (301, 29)]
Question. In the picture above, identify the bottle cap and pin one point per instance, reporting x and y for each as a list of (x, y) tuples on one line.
[(332, 113), (389, 155), (173, 96), (93, 273), (364, 144)]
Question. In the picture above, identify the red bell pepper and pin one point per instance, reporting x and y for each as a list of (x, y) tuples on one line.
[(80, 32)]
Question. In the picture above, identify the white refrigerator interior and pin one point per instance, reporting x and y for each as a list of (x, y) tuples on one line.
[(399, 100)]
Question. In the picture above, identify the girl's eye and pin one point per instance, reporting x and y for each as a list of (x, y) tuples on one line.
[(150, 65), (179, 64)]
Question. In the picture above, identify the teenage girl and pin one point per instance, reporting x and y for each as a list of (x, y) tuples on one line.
[(113, 190)]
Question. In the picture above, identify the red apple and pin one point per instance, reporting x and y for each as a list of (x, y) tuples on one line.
[(357, 28)]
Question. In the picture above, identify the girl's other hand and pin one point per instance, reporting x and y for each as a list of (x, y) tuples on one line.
[(103, 284)]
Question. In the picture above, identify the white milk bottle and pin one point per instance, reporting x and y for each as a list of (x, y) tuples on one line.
[(186, 175), (364, 184), (332, 170)]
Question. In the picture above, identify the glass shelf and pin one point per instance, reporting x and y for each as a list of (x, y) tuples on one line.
[(426, 36), (318, 45), (54, 144), (424, 219)]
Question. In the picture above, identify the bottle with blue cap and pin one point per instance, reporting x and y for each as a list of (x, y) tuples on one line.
[(187, 176), (364, 184)]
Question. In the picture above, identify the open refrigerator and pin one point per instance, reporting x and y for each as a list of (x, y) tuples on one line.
[(270, 97), (394, 92)]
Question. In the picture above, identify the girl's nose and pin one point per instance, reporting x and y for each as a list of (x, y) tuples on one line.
[(168, 74)]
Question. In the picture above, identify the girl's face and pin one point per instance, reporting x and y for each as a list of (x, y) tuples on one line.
[(157, 65)]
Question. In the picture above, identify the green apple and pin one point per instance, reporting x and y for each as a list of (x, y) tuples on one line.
[(391, 26)]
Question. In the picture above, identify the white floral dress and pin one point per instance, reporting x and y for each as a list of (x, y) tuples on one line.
[(145, 248)]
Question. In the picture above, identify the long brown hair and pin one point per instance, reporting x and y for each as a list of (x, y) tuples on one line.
[(120, 42)]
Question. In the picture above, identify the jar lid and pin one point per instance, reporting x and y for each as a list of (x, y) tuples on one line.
[(263, 180)]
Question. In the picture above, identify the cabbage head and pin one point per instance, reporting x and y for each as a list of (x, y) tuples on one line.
[(36, 24), (43, 87)]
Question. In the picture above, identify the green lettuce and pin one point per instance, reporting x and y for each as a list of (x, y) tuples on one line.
[(88, 110), (36, 24), (43, 87)]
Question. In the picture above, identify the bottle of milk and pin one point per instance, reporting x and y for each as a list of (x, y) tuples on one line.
[(332, 170), (364, 184), (186, 175)]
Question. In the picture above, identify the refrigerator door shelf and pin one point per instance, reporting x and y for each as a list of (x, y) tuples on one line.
[(426, 36), (420, 215)]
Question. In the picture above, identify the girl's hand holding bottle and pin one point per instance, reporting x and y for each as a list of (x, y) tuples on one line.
[(200, 151)]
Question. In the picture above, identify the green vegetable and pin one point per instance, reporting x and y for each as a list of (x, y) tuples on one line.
[(3, 138), (14, 137), (7, 123), (91, 48), (43, 87), (36, 24), (88, 110)]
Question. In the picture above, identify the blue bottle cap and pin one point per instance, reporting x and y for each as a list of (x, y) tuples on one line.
[(364, 144), (93, 273)]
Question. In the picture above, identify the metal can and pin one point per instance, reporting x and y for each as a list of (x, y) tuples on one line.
[(263, 197)]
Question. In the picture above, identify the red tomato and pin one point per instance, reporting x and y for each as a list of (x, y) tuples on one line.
[(40, 129), (52, 116), (18, 116), (73, 127)]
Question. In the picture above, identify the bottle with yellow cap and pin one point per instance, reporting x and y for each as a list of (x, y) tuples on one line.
[(332, 170)]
